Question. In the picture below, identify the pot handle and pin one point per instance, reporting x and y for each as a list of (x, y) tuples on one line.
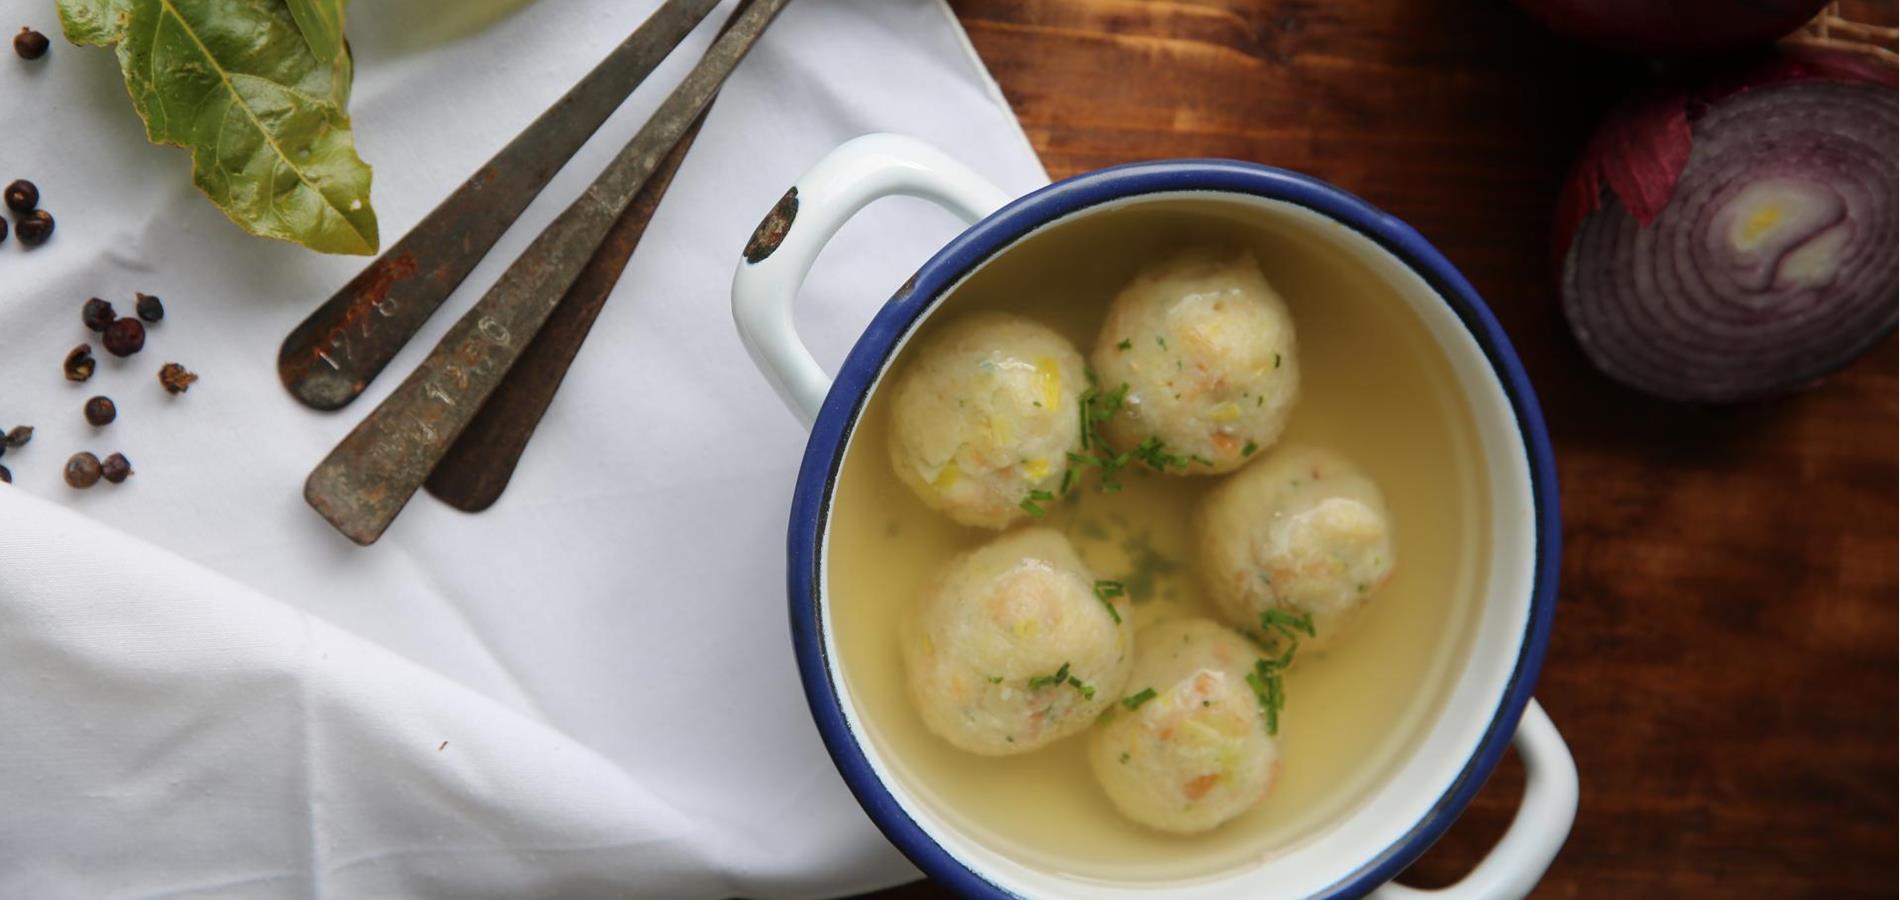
[(782, 249), (1513, 867)]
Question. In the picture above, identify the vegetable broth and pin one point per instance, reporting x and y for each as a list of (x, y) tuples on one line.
[(1374, 387)]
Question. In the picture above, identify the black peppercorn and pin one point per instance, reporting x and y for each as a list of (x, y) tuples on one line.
[(3, 231), (150, 308), (79, 363), (101, 411), (125, 337), (116, 468), (19, 435), (30, 44), (175, 379), (35, 227), (97, 314), (22, 196), (6, 477), (82, 470)]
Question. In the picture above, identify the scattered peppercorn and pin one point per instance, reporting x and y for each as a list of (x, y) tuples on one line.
[(6, 477), (175, 378), (150, 308), (35, 227), (22, 196), (79, 363), (18, 436), (3, 231), (30, 44), (101, 411), (116, 468), (125, 337), (97, 314), (82, 470)]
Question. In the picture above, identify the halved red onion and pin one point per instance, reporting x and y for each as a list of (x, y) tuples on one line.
[(1737, 241), (1674, 26)]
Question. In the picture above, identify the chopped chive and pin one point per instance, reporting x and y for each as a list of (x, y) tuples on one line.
[(1124, 759), (1161, 342), (1042, 681), (1029, 506), (1276, 360), (1135, 700), (1104, 590), (1125, 344), (1289, 624), (1250, 449), (1068, 480), (1088, 690), (995, 679)]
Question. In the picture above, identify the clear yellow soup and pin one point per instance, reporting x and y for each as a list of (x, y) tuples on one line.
[(1374, 387)]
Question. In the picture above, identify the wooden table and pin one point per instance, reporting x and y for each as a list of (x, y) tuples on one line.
[(1724, 658)]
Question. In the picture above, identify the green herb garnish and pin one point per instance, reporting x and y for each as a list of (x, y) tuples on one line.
[(1269, 691), (1030, 502), (1276, 360), (1061, 676), (1266, 679), (1098, 407), (1125, 344), (1104, 590), (995, 679), (1250, 449), (1135, 700), (1161, 342), (1088, 690), (1291, 625)]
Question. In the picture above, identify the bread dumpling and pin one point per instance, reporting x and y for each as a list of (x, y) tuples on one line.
[(1302, 532), (1010, 648), (1194, 751), (984, 414), (1206, 350)]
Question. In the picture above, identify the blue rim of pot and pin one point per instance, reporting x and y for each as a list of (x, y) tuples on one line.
[(824, 454)]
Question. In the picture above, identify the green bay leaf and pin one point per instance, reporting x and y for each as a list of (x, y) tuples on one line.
[(236, 82), (321, 22), (96, 23)]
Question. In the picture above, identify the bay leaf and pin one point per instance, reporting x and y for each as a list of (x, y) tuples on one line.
[(321, 22), (236, 82), (97, 23)]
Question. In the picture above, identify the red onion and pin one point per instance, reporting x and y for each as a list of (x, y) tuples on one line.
[(1672, 27), (1738, 240)]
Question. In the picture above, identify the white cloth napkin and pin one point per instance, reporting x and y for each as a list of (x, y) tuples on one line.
[(587, 690)]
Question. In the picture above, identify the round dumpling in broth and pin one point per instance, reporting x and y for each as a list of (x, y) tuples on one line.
[(1196, 752), (1302, 533), (1010, 649), (984, 415), (1205, 347)]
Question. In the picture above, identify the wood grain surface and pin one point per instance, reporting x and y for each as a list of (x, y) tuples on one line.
[(1723, 664)]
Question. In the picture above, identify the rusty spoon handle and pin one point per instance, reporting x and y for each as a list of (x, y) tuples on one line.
[(372, 473), (472, 475), (329, 358)]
